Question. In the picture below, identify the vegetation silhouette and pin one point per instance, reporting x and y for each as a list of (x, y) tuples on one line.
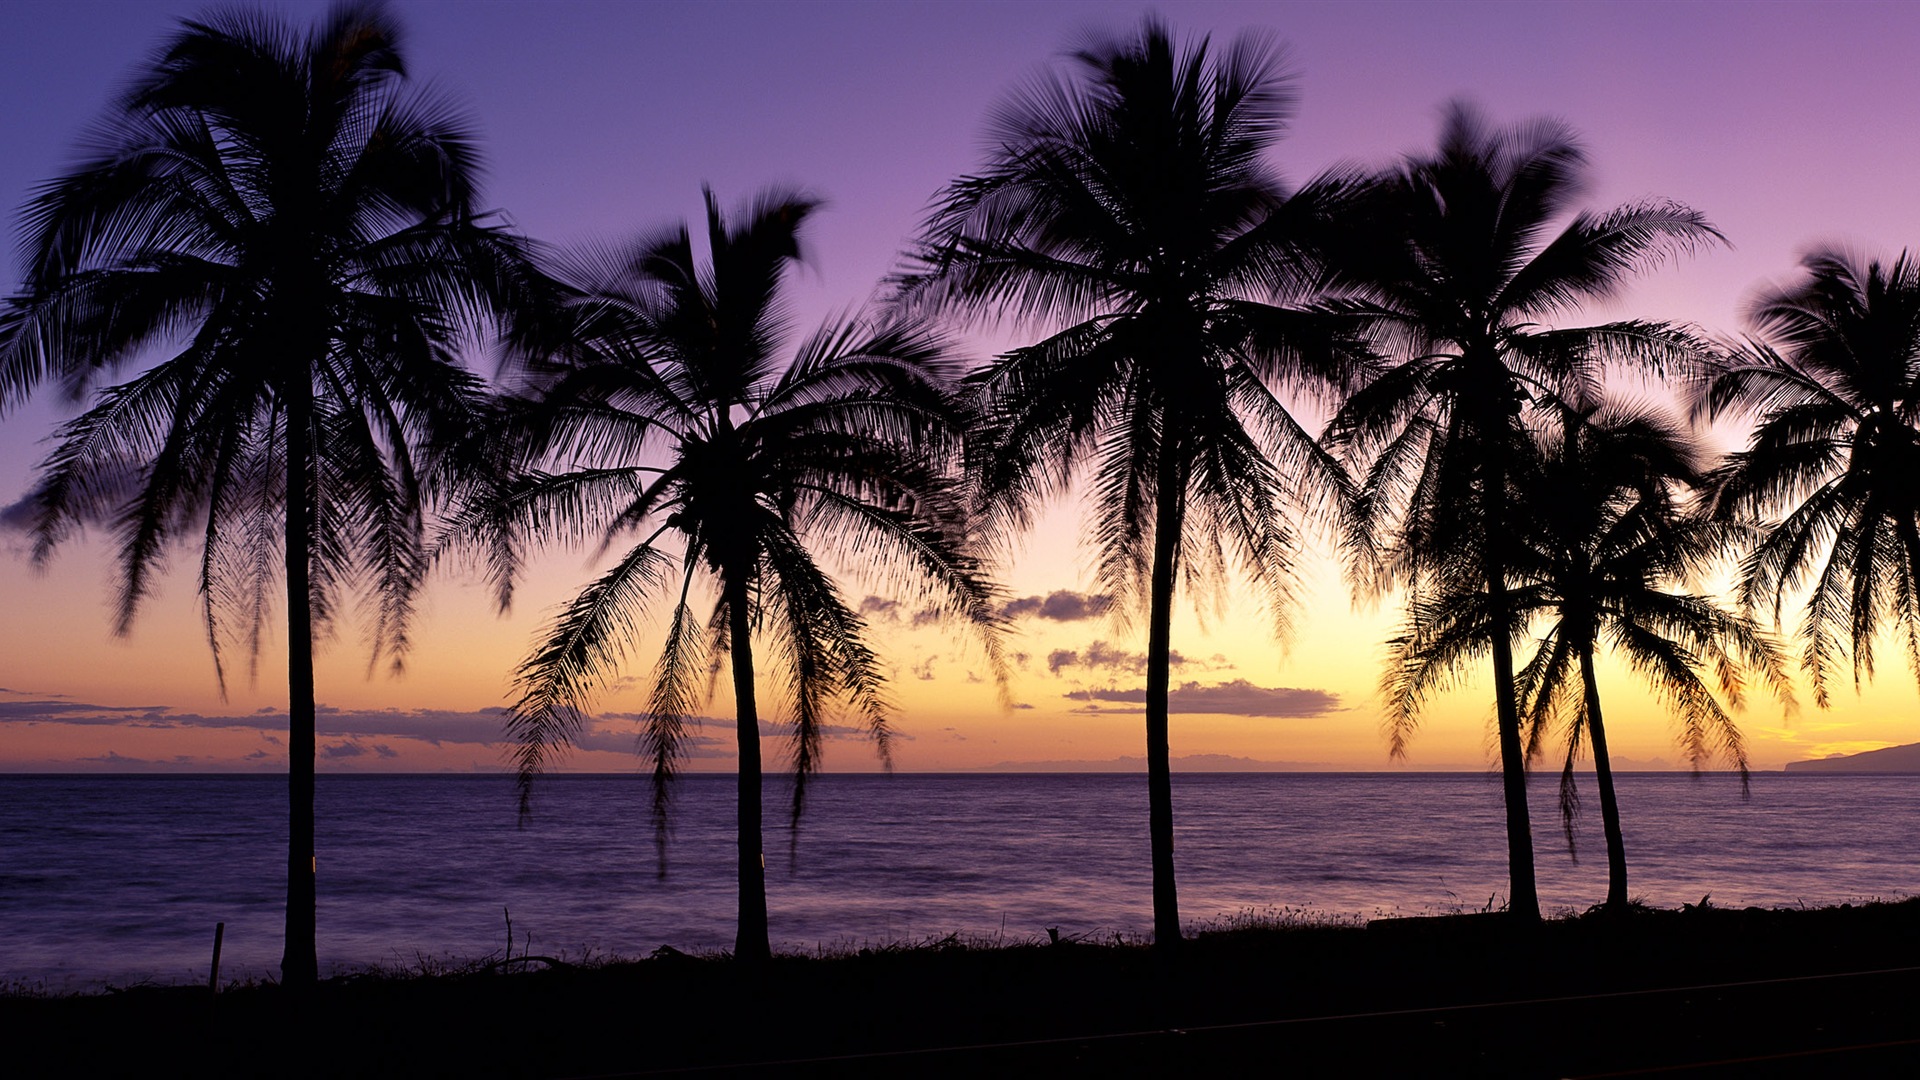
[(1831, 383), (293, 232), (1600, 540), (674, 418), (1456, 264), (1129, 209)]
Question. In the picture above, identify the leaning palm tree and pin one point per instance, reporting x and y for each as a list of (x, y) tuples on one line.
[(1832, 382), (288, 234), (1132, 211), (1460, 270), (1600, 545), (676, 421)]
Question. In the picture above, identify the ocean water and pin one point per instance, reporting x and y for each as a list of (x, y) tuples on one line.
[(110, 880)]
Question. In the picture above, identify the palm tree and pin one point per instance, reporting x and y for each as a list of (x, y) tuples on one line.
[(1833, 385), (679, 424), (291, 232), (1134, 207), (1599, 541), (1460, 271)]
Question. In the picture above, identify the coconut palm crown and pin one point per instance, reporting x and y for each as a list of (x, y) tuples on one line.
[(1831, 380), (667, 414), (282, 238)]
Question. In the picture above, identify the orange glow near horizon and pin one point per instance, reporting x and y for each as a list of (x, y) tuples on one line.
[(948, 715)]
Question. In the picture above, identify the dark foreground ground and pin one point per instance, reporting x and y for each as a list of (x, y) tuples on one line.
[(1690, 993)]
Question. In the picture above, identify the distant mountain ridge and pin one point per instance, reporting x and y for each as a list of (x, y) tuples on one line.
[(1891, 759)]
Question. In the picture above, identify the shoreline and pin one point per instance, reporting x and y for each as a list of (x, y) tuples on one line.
[(1436, 995)]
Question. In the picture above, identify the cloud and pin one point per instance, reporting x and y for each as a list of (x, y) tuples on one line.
[(112, 757), (17, 517), (623, 736), (73, 712), (882, 609), (119, 762), (879, 607), (1236, 698), (368, 734), (345, 750), (1102, 656), (1061, 605), (436, 726), (619, 733), (924, 669)]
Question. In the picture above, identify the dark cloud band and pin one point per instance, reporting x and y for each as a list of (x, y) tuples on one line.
[(1236, 698)]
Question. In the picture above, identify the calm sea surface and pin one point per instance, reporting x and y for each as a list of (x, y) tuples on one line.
[(120, 879)]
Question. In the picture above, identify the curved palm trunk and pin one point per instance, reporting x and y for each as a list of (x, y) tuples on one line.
[(1603, 775), (751, 944), (1168, 515), (300, 964), (1523, 900)]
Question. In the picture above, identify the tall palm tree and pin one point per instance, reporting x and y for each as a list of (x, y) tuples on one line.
[(1832, 382), (1461, 270), (1600, 542), (676, 421), (289, 232), (1132, 210)]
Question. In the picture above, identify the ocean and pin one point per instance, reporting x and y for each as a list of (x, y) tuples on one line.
[(116, 880)]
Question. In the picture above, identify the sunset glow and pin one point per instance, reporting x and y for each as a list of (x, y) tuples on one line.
[(1786, 125)]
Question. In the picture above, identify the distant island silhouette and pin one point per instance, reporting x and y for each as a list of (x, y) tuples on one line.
[(1890, 759)]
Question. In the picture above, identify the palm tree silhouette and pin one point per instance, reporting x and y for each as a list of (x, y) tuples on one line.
[(681, 425), (1833, 385), (1599, 541), (292, 232), (1134, 206), (1457, 269)]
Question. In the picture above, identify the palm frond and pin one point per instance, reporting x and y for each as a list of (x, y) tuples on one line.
[(577, 651)]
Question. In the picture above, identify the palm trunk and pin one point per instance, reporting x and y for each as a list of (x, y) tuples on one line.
[(300, 964), (1168, 515), (751, 944), (1910, 539), (1603, 775), (1523, 899)]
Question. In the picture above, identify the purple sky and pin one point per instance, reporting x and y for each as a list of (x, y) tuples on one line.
[(1787, 124)]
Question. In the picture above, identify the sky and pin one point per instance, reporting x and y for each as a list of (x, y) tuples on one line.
[(1788, 125)]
